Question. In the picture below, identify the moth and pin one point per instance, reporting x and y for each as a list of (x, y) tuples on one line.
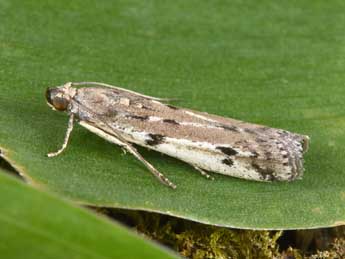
[(209, 143)]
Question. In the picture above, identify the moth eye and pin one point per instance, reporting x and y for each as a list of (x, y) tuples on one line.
[(56, 99), (60, 103)]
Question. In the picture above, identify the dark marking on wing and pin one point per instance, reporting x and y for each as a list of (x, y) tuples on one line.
[(227, 127), (146, 108), (156, 139), (171, 121), (266, 173), (260, 140), (250, 131), (136, 117), (227, 161), (111, 112), (268, 155), (255, 154), (227, 150), (172, 107), (264, 128)]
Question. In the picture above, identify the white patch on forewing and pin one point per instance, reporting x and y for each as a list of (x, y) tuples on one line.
[(199, 125), (193, 124), (154, 118), (156, 102), (200, 116), (125, 101)]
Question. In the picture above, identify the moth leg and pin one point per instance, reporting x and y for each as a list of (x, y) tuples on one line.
[(152, 169), (116, 138), (203, 173), (124, 151), (65, 142)]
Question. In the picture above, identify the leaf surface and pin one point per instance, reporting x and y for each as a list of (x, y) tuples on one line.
[(272, 63)]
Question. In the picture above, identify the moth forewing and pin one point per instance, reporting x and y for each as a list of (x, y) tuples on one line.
[(207, 142)]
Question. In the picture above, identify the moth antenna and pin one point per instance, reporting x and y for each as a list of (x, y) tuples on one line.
[(123, 89), (151, 168)]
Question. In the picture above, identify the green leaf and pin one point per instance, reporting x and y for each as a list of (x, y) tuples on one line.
[(275, 63), (38, 225)]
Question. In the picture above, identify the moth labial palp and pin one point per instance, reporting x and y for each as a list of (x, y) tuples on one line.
[(209, 143)]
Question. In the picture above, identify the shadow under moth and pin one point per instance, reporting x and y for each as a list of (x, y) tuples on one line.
[(207, 142)]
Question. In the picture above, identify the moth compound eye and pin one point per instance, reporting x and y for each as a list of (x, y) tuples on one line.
[(60, 103), (57, 99)]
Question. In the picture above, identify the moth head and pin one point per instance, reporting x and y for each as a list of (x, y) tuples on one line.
[(58, 98)]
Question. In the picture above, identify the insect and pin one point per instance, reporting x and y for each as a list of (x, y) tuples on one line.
[(207, 142)]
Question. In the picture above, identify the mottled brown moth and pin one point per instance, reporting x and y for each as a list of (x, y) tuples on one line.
[(207, 142)]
